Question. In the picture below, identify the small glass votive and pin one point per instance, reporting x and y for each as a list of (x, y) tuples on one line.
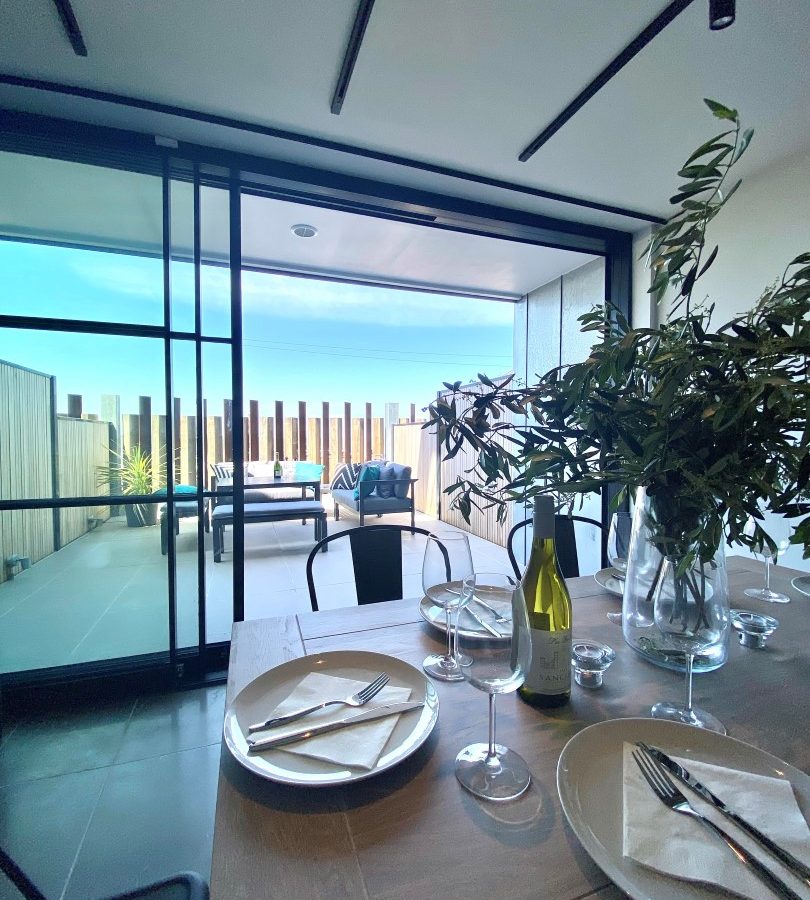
[(590, 660), (755, 628)]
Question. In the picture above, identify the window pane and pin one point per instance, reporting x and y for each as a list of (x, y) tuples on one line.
[(215, 276), (182, 263), (80, 242), (84, 418), (102, 595)]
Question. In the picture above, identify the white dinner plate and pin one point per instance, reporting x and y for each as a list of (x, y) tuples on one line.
[(589, 781), (259, 698), (434, 615), (610, 581), (802, 584)]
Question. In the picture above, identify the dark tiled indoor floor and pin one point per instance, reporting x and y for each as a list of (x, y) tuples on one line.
[(97, 801)]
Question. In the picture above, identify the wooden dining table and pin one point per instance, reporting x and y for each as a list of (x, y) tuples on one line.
[(414, 832)]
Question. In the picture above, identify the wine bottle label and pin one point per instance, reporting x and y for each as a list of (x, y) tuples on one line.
[(550, 671)]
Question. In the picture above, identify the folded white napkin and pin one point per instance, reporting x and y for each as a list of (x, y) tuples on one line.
[(359, 745), (673, 843)]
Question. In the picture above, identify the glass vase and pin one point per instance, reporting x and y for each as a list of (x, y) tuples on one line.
[(649, 577)]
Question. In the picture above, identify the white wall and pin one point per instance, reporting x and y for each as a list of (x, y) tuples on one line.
[(765, 224)]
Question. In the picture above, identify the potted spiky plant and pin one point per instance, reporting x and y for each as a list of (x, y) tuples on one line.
[(133, 472)]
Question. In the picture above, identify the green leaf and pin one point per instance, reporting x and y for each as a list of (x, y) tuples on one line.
[(743, 145), (720, 111)]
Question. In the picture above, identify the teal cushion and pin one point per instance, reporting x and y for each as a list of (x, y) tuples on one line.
[(178, 489), (369, 473)]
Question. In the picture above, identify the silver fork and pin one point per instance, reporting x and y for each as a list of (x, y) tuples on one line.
[(664, 788), (499, 619), (359, 699)]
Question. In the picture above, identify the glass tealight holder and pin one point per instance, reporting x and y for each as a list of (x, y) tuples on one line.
[(590, 660), (754, 628)]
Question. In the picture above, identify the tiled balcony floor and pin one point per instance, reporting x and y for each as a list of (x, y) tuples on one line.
[(104, 596)]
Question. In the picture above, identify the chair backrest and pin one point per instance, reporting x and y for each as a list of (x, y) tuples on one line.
[(564, 539), (183, 886), (376, 559)]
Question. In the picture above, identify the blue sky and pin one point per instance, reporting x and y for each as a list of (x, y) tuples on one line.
[(304, 340)]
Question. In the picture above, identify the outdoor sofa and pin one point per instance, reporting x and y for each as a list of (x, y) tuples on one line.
[(391, 492)]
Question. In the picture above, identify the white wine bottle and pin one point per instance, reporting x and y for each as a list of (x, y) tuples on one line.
[(277, 468), (548, 681)]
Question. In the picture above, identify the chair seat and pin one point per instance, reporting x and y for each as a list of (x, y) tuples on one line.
[(287, 508), (371, 503)]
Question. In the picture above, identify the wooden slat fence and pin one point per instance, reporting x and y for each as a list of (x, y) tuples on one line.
[(83, 447), (26, 459), (416, 447)]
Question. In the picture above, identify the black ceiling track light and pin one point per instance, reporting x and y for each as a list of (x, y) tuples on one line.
[(362, 15), (639, 42), (71, 26), (721, 14)]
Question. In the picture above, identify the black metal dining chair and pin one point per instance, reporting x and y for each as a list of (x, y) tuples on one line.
[(183, 886), (565, 543), (376, 559)]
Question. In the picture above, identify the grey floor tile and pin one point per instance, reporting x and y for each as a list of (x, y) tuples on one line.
[(43, 823), (154, 818), (73, 741), (166, 723)]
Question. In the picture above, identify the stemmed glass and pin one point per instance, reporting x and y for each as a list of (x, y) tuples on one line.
[(447, 579), (618, 549), (690, 623), (780, 531), (618, 542), (495, 666)]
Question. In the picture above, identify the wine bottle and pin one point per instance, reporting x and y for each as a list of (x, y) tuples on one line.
[(277, 468), (548, 681)]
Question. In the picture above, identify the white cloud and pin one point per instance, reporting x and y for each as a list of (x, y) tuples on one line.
[(293, 298)]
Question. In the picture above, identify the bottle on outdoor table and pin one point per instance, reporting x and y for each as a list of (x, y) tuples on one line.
[(277, 468), (548, 681)]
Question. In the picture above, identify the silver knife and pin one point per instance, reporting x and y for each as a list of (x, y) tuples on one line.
[(379, 712), (485, 625), (784, 856)]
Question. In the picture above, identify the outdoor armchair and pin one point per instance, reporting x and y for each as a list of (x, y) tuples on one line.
[(392, 492)]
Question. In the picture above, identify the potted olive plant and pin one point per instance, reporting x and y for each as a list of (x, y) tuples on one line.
[(711, 423), (133, 472)]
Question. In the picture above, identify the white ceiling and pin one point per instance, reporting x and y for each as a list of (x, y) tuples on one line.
[(78, 204), (461, 83)]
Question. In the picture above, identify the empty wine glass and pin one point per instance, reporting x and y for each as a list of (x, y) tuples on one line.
[(495, 666), (618, 542), (779, 530), (448, 580), (692, 616)]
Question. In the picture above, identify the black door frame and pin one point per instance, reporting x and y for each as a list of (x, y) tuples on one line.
[(238, 173)]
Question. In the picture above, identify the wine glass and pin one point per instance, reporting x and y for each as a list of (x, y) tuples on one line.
[(495, 666), (692, 616), (448, 580), (779, 529), (618, 542)]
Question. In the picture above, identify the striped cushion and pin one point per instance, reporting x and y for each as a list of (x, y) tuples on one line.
[(346, 476)]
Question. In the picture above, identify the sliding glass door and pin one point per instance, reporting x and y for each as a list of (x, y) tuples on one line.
[(115, 386)]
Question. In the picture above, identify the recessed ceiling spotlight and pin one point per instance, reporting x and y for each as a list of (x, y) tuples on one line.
[(721, 14), (305, 231)]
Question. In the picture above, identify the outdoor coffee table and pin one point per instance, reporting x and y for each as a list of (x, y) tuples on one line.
[(414, 832)]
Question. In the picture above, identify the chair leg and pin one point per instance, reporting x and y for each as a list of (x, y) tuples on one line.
[(164, 537), (217, 543), (337, 513), (413, 519)]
